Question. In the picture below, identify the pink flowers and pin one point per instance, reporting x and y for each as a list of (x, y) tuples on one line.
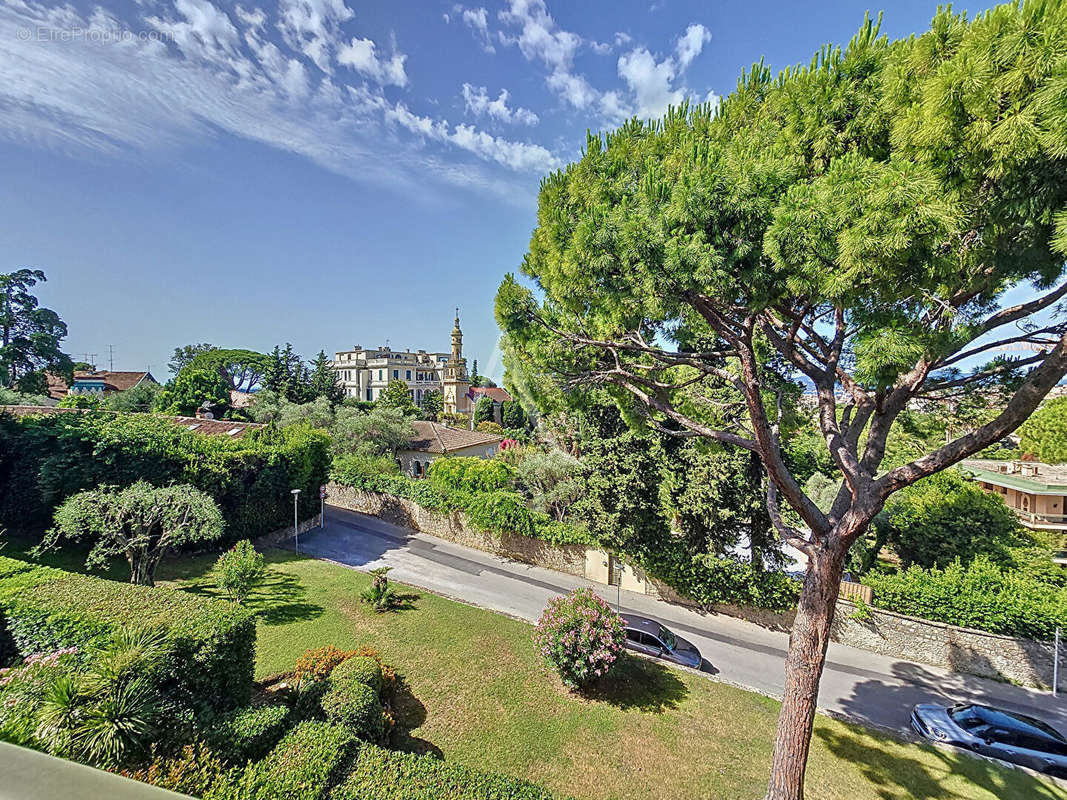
[(579, 636), (8, 674)]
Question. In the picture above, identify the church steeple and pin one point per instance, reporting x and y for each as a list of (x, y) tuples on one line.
[(457, 340), (456, 384)]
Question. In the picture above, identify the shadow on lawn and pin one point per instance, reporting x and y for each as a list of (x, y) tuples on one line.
[(278, 600), (897, 776), (409, 713), (638, 683), (900, 777)]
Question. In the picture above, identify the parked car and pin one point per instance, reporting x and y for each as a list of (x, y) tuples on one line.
[(994, 732), (649, 637)]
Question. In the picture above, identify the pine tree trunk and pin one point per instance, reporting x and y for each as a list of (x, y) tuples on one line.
[(803, 669)]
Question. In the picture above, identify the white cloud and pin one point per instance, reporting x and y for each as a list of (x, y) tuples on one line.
[(514, 155), (600, 48), (613, 108), (205, 33), (139, 97), (313, 27), (539, 38), (652, 82), (690, 44), (477, 19), (476, 101), (361, 55)]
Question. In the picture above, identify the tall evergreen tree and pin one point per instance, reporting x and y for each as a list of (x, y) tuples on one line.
[(29, 335), (324, 381)]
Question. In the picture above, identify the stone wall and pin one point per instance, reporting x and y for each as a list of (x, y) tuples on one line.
[(454, 528), (285, 534), (966, 650)]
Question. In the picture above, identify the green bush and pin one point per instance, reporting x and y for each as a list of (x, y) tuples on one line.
[(470, 474), (380, 774), (303, 766), (45, 459), (245, 734), (239, 570), (361, 669), (979, 595), (355, 705), (210, 644)]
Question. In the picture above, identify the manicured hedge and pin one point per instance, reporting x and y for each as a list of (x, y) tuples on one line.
[(304, 766), (980, 595), (210, 643), (356, 706), (381, 774), (245, 734), (45, 459), (361, 669)]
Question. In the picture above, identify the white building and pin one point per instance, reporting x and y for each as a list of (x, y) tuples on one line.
[(364, 374)]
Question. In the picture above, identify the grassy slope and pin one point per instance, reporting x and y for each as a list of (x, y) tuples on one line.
[(480, 696)]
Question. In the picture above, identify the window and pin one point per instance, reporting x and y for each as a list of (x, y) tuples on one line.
[(396, 374), (409, 374), (369, 395), (379, 374)]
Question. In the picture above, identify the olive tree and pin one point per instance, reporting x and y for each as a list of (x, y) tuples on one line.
[(141, 523), (858, 222)]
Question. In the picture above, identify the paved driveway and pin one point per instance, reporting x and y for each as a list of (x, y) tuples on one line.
[(857, 683)]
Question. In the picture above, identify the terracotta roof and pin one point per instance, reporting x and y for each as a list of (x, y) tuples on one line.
[(208, 427), (113, 381), (57, 387), (433, 437), (495, 393)]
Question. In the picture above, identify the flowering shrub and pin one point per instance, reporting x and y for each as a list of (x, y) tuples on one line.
[(579, 636), (317, 664)]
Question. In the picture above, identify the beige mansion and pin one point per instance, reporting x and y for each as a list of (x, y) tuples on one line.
[(364, 374)]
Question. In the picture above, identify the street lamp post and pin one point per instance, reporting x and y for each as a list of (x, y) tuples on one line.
[(296, 520)]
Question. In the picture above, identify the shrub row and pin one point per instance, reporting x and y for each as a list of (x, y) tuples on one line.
[(248, 733), (210, 643), (495, 510), (979, 595), (45, 459), (304, 765), (380, 774)]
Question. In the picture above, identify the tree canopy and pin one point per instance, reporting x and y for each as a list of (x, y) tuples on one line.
[(857, 221), (1045, 433), (241, 369), (397, 395), (30, 336), (140, 523)]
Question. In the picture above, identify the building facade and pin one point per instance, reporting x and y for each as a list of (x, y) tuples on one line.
[(1036, 492), (434, 440), (364, 374)]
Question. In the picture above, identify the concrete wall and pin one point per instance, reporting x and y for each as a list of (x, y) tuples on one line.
[(454, 528)]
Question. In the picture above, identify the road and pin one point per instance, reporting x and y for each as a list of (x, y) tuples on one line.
[(858, 684)]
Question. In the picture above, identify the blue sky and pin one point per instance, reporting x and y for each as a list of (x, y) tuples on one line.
[(328, 172)]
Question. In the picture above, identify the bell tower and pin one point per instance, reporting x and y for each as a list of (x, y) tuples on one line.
[(456, 384)]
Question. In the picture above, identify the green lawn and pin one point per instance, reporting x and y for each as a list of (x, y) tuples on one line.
[(479, 695)]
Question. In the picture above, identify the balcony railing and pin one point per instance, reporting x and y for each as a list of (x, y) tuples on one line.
[(1033, 518)]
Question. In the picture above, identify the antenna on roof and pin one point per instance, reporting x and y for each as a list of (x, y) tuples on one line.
[(111, 358)]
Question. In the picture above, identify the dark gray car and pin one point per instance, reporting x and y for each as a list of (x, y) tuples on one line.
[(994, 732), (649, 637)]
